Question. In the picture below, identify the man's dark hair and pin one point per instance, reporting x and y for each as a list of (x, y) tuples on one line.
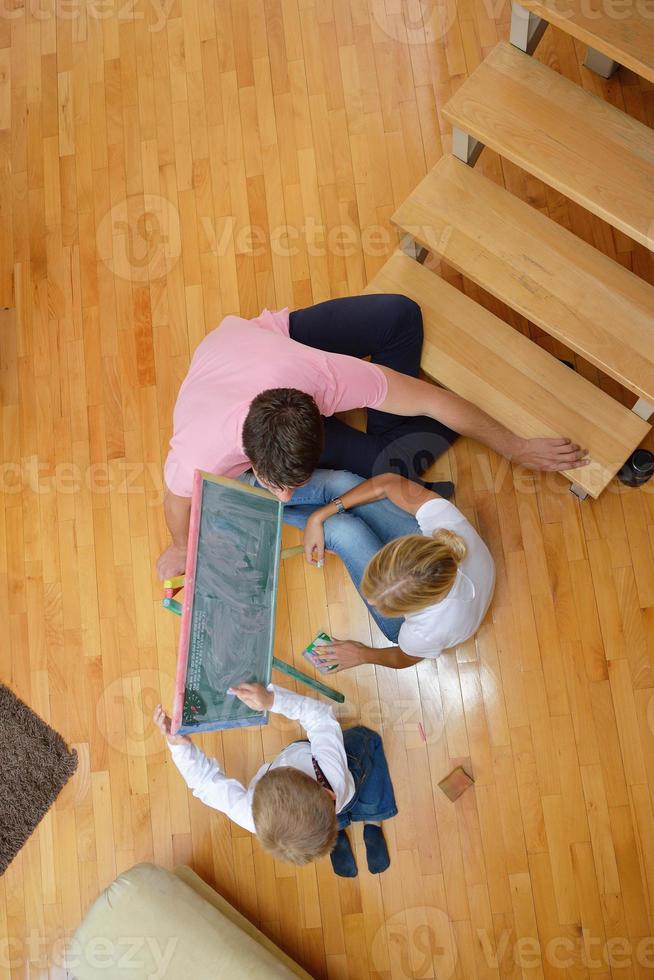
[(283, 436)]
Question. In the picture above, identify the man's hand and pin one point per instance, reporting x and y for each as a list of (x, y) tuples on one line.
[(549, 454), (254, 695), (314, 541), (172, 562), (162, 721)]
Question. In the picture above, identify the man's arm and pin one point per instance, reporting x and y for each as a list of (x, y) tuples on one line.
[(177, 511), (410, 396)]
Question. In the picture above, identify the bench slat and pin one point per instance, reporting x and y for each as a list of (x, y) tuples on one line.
[(473, 353), (627, 38), (585, 148), (570, 289)]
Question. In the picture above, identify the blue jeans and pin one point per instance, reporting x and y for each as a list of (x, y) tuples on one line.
[(356, 535), (373, 800)]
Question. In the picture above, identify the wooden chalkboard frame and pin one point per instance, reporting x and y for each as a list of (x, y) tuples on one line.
[(200, 479)]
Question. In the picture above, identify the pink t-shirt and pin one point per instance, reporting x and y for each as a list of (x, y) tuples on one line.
[(234, 364)]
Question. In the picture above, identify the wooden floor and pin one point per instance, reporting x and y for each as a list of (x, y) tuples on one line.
[(198, 157)]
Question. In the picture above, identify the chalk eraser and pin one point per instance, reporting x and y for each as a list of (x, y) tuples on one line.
[(456, 783), (313, 655)]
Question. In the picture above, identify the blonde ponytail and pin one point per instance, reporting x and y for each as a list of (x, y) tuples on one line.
[(413, 572), (454, 543)]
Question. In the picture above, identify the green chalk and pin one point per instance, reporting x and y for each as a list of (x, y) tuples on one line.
[(173, 605), (303, 678)]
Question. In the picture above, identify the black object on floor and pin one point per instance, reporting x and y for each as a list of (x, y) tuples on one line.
[(35, 765), (638, 469), (376, 849), (444, 489), (342, 857)]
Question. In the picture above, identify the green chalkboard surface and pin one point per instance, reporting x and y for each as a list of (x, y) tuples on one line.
[(228, 616)]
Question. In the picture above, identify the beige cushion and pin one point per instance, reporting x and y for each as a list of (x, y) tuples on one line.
[(150, 923)]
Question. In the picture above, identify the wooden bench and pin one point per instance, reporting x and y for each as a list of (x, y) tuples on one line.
[(585, 148), (626, 39), (473, 353), (570, 289)]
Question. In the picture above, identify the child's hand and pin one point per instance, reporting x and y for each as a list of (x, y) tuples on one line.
[(254, 695), (314, 541), (162, 721)]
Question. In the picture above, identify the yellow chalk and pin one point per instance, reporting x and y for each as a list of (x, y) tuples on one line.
[(297, 549)]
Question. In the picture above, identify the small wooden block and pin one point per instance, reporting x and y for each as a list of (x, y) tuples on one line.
[(456, 783)]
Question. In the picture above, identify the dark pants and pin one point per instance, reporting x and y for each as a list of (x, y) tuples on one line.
[(388, 328), (373, 799)]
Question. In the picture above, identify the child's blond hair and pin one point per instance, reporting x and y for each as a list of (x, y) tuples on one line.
[(413, 572), (294, 817)]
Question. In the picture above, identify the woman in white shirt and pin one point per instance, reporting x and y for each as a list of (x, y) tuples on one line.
[(441, 580)]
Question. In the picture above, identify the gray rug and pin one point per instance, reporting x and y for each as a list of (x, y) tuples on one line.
[(35, 765)]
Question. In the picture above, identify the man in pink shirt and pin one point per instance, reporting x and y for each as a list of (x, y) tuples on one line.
[(262, 393)]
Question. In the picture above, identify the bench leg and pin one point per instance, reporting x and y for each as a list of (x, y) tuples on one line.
[(578, 491), (410, 247), (600, 63), (465, 147), (527, 28), (643, 409)]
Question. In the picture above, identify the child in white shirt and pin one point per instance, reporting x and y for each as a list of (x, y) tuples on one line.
[(299, 804)]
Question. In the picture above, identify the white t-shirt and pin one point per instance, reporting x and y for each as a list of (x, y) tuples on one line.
[(458, 616)]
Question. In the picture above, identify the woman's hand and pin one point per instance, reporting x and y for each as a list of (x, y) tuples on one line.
[(255, 696), (162, 721), (342, 654), (314, 541)]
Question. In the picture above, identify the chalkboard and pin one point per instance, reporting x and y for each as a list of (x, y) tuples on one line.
[(228, 614)]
